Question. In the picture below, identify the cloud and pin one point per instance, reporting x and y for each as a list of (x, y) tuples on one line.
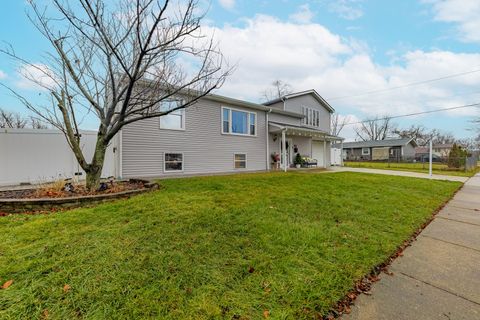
[(303, 15), (309, 56), (3, 75), (465, 14), (227, 4), (34, 77), (347, 9)]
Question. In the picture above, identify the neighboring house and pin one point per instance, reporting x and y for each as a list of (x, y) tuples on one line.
[(220, 134), (438, 150), (389, 149)]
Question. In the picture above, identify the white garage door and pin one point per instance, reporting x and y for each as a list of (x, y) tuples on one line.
[(317, 152)]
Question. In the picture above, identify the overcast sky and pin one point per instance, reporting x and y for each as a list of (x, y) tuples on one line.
[(343, 49)]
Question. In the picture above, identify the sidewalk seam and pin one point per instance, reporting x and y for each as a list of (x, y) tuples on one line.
[(459, 221), (439, 288), (452, 243)]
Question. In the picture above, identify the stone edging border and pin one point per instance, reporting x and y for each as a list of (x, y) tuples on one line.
[(19, 206)]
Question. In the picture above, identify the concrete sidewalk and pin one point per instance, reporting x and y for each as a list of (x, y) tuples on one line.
[(400, 173), (438, 277)]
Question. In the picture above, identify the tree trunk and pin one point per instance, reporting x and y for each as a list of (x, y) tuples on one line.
[(94, 170)]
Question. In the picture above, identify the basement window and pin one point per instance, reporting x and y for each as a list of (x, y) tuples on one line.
[(240, 161), (173, 162)]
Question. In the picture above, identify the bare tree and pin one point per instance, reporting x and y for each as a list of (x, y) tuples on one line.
[(378, 128), (277, 90), (15, 120), (12, 120), (338, 122), (417, 132), (124, 62)]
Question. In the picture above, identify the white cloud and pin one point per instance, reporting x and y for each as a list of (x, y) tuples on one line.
[(310, 56), (36, 76), (3, 75), (464, 13), (303, 15), (347, 9), (227, 4)]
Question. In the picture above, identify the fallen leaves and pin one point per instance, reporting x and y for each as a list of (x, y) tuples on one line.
[(66, 288), (7, 284), (251, 269), (266, 314)]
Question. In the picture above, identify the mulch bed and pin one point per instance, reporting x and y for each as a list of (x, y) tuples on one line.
[(44, 192)]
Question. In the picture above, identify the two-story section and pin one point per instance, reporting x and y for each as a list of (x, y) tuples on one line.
[(309, 136), (215, 135)]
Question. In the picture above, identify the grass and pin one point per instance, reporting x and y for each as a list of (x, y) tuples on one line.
[(212, 247), (413, 167)]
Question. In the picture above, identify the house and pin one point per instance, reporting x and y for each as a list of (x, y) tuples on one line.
[(215, 135), (441, 150), (389, 149), (219, 134)]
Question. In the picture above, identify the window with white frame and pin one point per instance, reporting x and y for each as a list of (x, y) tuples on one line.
[(174, 120), (365, 151), (311, 117), (239, 122), (240, 161), (173, 162)]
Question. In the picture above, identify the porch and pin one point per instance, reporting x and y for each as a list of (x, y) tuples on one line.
[(286, 141)]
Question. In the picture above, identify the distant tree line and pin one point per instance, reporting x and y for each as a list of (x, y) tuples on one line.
[(14, 120)]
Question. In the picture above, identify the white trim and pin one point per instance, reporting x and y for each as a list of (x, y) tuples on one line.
[(230, 133), (173, 171), (235, 161), (173, 129)]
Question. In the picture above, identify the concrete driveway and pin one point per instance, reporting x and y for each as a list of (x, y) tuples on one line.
[(438, 277)]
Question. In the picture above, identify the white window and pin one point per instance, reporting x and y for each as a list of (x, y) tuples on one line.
[(175, 120), (173, 162), (311, 117), (240, 161), (239, 122), (365, 151)]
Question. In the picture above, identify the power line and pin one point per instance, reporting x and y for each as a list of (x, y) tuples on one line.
[(404, 86), (473, 105)]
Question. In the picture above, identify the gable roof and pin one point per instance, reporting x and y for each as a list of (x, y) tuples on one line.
[(379, 143), (251, 105), (302, 93)]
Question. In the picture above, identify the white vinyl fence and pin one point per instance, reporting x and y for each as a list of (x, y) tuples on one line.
[(336, 156), (36, 156)]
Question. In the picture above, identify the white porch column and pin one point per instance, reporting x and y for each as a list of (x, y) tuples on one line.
[(324, 153), (284, 151)]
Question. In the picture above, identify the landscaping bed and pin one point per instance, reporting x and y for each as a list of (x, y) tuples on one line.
[(65, 195), (275, 245)]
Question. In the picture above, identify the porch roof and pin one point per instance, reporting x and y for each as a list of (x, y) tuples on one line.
[(278, 127)]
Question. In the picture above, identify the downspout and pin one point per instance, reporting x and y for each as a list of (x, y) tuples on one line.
[(267, 139), (284, 99)]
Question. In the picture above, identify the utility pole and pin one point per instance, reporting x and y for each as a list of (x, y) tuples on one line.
[(430, 158)]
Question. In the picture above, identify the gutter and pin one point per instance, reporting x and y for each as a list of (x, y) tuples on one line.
[(267, 140)]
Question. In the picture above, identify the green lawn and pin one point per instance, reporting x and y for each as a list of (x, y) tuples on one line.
[(414, 167), (226, 247)]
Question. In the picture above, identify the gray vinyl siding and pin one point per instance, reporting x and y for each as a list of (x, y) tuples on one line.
[(408, 151), (205, 149), (295, 105), (281, 118)]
